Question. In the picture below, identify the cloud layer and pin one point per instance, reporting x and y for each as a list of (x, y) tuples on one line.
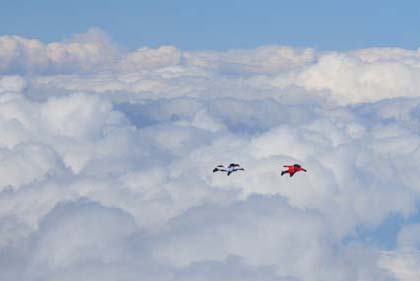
[(106, 160)]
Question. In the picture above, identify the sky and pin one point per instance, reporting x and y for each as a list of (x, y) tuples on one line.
[(221, 25), (111, 126)]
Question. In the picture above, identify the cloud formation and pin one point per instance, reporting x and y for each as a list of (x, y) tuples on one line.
[(83, 53), (107, 158)]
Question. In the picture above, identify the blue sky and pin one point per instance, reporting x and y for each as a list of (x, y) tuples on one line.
[(221, 24)]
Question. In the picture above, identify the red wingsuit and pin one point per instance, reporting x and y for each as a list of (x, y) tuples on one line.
[(292, 169)]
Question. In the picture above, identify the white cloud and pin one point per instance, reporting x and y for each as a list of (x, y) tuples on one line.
[(404, 262), (13, 84), (147, 58), (107, 162), (352, 80), (84, 53), (404, 265), (263, 60)]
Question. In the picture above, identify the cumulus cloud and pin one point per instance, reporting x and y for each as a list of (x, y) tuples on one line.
[(351, 79), (107, 157), (83, 53), (147, 58)]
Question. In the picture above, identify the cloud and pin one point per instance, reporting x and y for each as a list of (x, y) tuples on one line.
[(147, 58), (13, 84), (233, 267), (263, 60), (261, 230), (83, 53), (366, 75), (404, 261), (353, 80), (107, 161), (79, 224)]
